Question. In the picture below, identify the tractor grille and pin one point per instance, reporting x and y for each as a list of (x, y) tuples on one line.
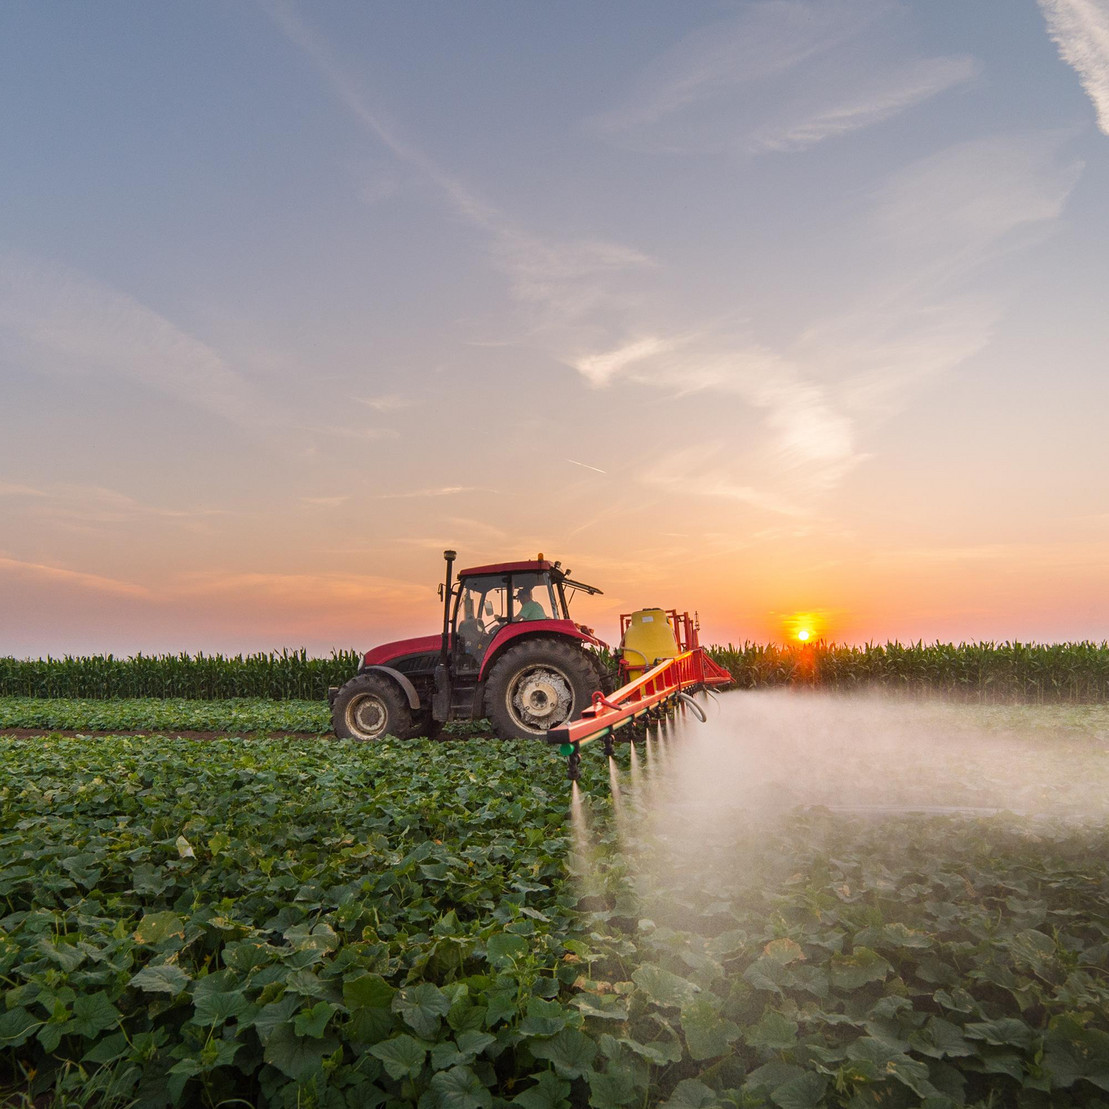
[(415, 664)]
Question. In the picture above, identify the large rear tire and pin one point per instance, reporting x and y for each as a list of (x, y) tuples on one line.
[(538, 685), (369, 707)]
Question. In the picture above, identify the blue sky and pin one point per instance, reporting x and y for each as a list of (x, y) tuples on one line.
[(757, 308)]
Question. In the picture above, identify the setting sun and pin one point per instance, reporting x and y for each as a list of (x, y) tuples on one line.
[(804, 627)]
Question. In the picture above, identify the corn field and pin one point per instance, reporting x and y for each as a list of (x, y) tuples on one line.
[(288, 676), (982, 672)]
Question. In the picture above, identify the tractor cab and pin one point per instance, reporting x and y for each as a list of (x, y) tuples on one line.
[(489, 599)]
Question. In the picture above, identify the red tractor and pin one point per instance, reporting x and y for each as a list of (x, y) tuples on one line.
[(508, 651)]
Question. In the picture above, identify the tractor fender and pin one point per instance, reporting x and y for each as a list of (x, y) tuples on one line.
[(546, 629), (401, 680)]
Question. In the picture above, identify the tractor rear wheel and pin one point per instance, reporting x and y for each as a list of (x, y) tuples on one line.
[(370, 707), (537, 685)]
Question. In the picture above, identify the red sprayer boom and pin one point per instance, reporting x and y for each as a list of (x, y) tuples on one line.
[(662, 664)]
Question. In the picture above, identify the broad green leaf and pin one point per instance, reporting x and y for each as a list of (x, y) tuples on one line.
[(275, 1015), (460, 1088), (850, 972), (659, 1052), (571, 1052), (163, 978), (297, 1056), (613, 1088), (543, 1018), (691, 1094), (16, 1025), (773, 1031), (155, 928), (93, 1013), (422, 1008), (68, 956), (503, 949), (549, 1092), (940, 1039), (806, 1091), (707, 1034), (664, 987), (369, 991), (501, 1007), (403, 1056), (1006, 1032), (603, 1006), (217, 1007), (312, 1022)]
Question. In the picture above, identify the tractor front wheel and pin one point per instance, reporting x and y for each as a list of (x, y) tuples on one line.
[(538, 685), (369, 707)]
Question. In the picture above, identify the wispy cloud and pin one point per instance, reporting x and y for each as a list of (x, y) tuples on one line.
[(59, 575), (707, 470), (564, 281), (438, 491), (56, 321), (938, 221), (781, 75), (874, 98), (93, 504), (317, 591), (387, 402), (960, 202), (1080, 29)]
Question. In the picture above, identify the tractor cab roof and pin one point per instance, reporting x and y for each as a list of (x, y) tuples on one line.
[(535, 566), (531, 566)]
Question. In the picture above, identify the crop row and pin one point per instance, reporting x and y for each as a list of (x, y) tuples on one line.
[(240, 716), (394, 924), (989, 672)]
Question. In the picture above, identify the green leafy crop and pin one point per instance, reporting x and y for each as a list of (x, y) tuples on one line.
[(314, 922)]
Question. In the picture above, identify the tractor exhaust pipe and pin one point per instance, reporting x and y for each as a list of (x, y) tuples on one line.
[(441, 701)]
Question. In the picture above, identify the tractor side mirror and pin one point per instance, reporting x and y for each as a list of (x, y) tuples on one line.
[(488, 608), (440, 591)]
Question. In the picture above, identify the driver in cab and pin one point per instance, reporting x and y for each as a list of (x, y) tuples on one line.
[(528, 609)]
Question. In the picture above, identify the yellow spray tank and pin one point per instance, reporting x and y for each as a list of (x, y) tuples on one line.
[(648, 639)]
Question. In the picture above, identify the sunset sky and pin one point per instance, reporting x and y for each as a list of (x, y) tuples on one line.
[(763, 308)]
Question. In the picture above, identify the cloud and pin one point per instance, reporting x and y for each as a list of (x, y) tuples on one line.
[(708, 470), (806, 429), (566, 281), (387, 402), (1080, 29), (56, 320), (440, 491), (600, 369), (876, 98), (781, 75), (313, 591), (962, 200), (94, 504), (57, 575)]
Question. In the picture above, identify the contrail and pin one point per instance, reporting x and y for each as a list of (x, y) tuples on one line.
[(586, 466)]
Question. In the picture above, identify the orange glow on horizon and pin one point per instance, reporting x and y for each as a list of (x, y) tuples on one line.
[(804, 627)]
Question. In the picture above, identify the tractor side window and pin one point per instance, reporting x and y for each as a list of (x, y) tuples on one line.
[(482, 611)]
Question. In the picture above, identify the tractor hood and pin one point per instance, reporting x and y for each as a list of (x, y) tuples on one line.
[(424, 644)]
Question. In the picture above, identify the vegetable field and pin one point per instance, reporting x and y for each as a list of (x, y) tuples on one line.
[(297, 922)]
